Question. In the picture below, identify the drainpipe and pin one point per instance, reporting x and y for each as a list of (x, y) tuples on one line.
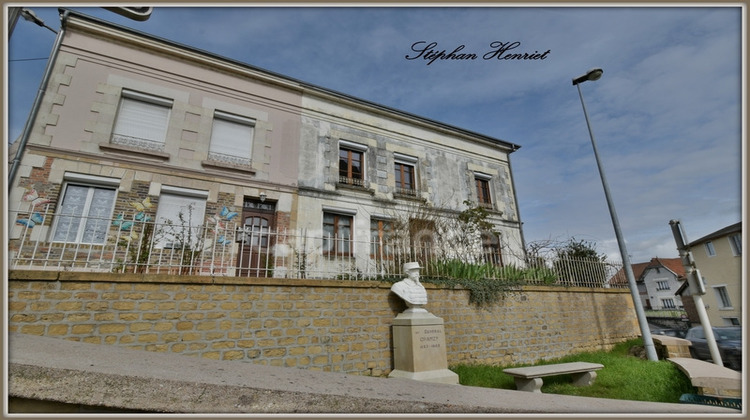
[(37, 103), (696, 288), (515, 199)]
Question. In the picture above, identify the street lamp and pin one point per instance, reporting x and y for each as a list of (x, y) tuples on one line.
[(596, 74)]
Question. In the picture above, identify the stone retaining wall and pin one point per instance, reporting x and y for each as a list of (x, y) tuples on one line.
[(330, 325)]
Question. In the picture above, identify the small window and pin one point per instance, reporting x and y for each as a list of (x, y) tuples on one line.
[(662, 285), (231, 139), (180, 217), (722, 297), (735, 242), (351, 163), (668, 304), (142, 121), (337, 231), (732, 321), (482, 182), (710, 251)]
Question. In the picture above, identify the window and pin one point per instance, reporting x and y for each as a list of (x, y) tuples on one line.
[(337, 233), (142, 121), (710, 251), (492, 249), (722, 296), (85, 213), (404, 171), (381, 232), (421, 235), (351, 163), (662, 285), (731, 321), (483, 189), (231, 139), (180, 217), (668, 304), (735, 242)]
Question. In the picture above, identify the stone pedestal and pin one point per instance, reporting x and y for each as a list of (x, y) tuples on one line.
[(419, 348)]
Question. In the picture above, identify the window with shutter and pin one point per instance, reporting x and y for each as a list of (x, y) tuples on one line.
[(142, 121), (231, 139), (180, 217)]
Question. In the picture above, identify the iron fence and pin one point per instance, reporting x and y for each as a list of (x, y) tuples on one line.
[(135, 243)]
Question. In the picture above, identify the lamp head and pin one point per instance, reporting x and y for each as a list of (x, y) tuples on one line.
[(593, 74)]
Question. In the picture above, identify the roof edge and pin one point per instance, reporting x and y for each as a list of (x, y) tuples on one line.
[(69, 16)]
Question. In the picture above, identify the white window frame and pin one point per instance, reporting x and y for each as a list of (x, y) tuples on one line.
[(710, 250), (722, 296), (735, 242), (662, 282), (731, 321), (223, 147), (407, 160), (668, 303), (488, 178), (357, 147), (182, 197), (351, 242), (129, 129), (91, 182)]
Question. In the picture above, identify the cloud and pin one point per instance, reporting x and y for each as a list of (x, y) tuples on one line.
[(666, 114)]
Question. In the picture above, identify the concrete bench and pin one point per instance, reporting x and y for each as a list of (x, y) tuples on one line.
[(530, 378)]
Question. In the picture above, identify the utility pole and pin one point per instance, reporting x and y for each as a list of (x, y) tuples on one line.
[(697, 289)]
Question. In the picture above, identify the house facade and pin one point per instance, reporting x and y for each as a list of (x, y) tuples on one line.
[(657, 280), (661, 278), (718, 257), (146, 155)]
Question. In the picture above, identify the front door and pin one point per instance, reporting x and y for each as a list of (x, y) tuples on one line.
[(255, 257)]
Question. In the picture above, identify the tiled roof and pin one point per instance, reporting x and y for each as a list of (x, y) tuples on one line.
[(672, 264)]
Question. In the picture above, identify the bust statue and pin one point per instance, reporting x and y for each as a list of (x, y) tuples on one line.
[(410, 289)]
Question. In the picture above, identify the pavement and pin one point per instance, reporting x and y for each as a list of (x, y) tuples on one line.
[(104, 378)]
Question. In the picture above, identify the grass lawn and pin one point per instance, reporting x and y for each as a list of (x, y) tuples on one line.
[(624, 377)]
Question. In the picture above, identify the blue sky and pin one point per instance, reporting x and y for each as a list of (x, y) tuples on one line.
[(667, 114)]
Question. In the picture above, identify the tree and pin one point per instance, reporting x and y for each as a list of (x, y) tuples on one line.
[(578, 263)]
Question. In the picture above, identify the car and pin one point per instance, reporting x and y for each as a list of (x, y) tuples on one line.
[(728, 340), (671, 332)]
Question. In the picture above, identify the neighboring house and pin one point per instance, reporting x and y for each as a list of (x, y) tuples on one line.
[(150, 155), (661, 278), (718, 257), (657, 282)]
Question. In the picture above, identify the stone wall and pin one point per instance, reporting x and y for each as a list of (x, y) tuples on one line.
[(342, 326)]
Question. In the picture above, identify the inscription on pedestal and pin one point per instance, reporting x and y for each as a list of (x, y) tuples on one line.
[(419, 349), (430, 337)]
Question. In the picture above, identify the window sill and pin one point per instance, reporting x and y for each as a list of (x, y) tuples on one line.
[(354, 187), (415, 196), (224, 166), (109, 147)]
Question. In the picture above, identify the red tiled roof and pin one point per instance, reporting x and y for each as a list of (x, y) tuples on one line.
[(672, 264)]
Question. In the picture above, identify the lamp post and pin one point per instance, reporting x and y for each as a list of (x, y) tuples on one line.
[(596, 74)]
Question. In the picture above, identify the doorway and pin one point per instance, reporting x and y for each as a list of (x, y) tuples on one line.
[(255, 257)]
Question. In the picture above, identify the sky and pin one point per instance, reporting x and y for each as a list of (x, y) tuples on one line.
[(667, 114)]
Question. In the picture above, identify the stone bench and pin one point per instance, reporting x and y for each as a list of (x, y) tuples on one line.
[(530, 378)]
